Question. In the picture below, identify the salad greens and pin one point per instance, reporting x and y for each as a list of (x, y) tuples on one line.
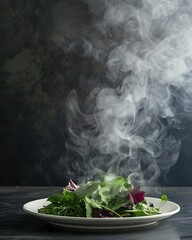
[(113, 198)]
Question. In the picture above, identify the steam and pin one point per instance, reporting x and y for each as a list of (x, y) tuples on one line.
[(144, 52)]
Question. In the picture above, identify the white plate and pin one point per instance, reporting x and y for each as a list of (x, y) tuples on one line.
[(83, 223)]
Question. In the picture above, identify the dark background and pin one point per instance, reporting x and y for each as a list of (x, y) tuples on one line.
[(37, 72)]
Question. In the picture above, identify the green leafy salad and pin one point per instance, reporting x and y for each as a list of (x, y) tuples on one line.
[(101, 199)]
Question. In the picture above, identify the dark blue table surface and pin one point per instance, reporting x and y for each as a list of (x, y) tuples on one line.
[(16, 224)]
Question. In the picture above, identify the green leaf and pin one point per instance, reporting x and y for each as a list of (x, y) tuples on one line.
[(87, 189), (118, 203), (88, 209), (69, 198), (118, 185), (113, 189), (54, 198), (93, 203), (142, 209), (89, 205)]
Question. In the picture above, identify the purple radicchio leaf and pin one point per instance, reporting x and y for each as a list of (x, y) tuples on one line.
[(102, 213), (71, 186), (135, 196)]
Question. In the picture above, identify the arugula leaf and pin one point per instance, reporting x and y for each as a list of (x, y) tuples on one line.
[(88, 208), (93, 203), (118, 203), (87, 189), (115, 188), (141, 209), (90, 204)]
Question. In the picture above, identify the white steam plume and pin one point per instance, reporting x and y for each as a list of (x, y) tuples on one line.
[(145, 48)]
